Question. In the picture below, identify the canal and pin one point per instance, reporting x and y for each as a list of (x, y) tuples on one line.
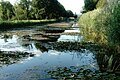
[(29, 54)]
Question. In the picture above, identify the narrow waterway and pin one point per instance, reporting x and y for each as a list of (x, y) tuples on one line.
[(24, 58)]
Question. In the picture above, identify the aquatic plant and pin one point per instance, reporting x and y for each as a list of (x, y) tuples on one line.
[(7, 58), (77, 73), (108, 59)]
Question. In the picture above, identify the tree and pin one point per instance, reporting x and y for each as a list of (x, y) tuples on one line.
[(6, 10), (22, 10), (70, 13), (0, 12), (37, 9), (20, 13), (48, 8), (31, 9), (57, 9), (25, 5), (90, 5)]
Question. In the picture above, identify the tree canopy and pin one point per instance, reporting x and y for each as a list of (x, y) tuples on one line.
[(32, 9), (6, 9), (90, 5)]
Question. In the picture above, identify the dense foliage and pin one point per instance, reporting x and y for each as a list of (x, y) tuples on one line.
[(6, 10), (76, 73), (102, 24), (113, 22), (90, 5), (93, 4), (32, 9)]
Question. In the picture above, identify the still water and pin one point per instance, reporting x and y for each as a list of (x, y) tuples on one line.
[(35, 67)]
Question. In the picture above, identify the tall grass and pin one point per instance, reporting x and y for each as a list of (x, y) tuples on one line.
[(102, 24), (113, 22), (92, 28)]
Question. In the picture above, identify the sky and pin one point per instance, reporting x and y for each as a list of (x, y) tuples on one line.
[(74, 5)]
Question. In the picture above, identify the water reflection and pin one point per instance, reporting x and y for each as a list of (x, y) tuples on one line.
[(72, 35), (16, 43), (12, 45), (47, 61), (71, 38), (5, 37), (14, 49), (29, 60)]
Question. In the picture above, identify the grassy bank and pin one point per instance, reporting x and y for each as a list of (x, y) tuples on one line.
[(4, 25), (92, 27), (102, 24)]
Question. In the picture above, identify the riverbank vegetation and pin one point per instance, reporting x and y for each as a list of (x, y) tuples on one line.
[(31, 12), (100, 24), (77, 73)]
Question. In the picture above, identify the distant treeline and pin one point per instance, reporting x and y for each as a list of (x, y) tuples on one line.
[(33, 10)]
